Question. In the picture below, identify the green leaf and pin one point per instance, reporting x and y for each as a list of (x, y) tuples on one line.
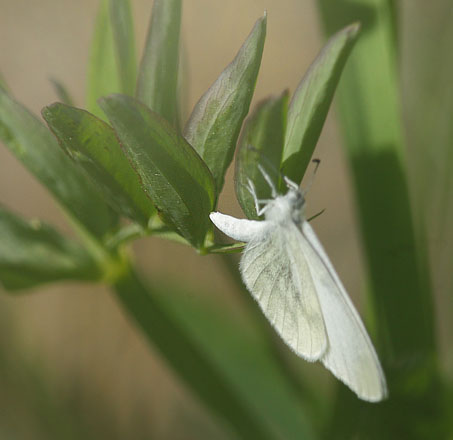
[(134, 231), (369, 104), (158, 74), (368, 100), (3, 85), (103, 74), (171, 172), (261, 144), (61, 92), (36, 147), (92, 144), (227, 365), (427, 69), (235, 347), (33, 253), (124, 39), (214, 125), (311, 101)]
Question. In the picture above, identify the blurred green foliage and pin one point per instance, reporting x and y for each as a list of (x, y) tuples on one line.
[(164, 179)]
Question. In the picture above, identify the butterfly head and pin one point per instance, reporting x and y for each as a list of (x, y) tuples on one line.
[(281, 208), (288, 207)]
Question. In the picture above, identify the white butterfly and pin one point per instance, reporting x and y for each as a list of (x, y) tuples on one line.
[(287, 271)]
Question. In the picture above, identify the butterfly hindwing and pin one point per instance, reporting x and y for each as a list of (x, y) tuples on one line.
[(350, 355)]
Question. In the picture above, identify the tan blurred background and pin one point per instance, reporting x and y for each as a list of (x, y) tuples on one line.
[(77, 333)]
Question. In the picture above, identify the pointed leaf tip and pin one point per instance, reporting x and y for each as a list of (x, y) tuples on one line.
[(311, 101), (214, 125), (158, 74)]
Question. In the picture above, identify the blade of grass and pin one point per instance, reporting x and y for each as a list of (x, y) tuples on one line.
[(374, 145), (158, 74), (427, 68), (103, 74), (368, 101), (394, 10), (124, 39), (214, 125), (61, 92)]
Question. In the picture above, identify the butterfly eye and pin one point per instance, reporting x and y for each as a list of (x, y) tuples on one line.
[(300, 201), (296, 198)]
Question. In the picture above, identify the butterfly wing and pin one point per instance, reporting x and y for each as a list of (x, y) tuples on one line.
[(350, 355), (239, 229), (275, 271)]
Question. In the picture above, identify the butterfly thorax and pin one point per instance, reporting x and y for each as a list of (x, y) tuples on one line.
[(288, 207)]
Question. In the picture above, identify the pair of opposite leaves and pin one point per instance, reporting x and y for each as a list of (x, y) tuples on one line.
[(287, 271)]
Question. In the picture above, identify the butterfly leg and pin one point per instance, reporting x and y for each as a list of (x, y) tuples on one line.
[(269, 181), (251, 188), (290, 183)]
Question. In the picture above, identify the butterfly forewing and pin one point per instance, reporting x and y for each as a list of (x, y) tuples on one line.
[(275, 271), (350, 355)]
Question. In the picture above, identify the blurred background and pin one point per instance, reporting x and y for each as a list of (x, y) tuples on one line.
[(71, 365)]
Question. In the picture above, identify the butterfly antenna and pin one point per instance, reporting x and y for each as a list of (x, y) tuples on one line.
[(269, 165), (317, 162), (251, 189)]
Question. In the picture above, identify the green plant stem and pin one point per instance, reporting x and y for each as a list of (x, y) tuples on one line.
[(143, 305), (163, 331), (305, 393), (110, 266)]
